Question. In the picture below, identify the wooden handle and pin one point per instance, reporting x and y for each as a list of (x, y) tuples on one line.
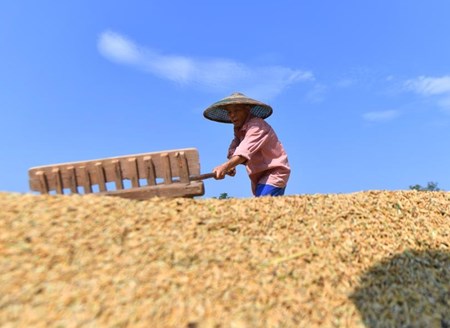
[(202, 176)]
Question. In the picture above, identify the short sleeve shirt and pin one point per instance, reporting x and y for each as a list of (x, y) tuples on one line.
[(267, 161)]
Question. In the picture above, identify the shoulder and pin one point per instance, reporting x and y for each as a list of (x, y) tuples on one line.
[(256, 123)]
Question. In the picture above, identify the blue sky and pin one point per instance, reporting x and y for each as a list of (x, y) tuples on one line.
[(360, 89)]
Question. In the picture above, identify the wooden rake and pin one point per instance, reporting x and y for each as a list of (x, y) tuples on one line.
[(172, 173)]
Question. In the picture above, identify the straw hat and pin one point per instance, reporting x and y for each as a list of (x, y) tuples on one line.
[(217, 111)]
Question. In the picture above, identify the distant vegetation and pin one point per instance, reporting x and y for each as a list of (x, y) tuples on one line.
[(431, 186), (223, 195)]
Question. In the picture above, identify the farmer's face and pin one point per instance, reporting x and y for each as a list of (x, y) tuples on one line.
[(238, 114)]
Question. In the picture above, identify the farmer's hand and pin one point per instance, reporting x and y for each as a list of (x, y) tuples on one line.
[(220, 171), (229, 167), (232, 172)]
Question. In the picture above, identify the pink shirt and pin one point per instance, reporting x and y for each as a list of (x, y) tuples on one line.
[(267, 161)]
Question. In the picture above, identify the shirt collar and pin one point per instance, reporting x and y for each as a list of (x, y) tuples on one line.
[(244, 126)]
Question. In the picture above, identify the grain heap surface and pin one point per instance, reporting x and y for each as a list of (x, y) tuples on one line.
[(368, 259)]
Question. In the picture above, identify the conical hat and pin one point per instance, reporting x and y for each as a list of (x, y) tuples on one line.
[(217, 111)]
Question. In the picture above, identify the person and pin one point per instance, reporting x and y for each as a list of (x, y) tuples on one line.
[(255, 144)]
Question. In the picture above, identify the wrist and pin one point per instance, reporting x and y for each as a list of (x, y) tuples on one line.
[(227, 166)]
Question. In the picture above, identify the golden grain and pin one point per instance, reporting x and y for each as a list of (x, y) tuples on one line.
[(372, 258)]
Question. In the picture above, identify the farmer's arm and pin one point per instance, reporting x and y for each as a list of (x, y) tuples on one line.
[(255, 139), (228, 166), (234, 143)]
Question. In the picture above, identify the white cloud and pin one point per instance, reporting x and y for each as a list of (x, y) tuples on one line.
[(117, 48), (381, 116), (429, 86), (215, 74), (435, 88)]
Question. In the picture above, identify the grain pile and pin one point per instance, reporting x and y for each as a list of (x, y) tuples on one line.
[(369, 259)]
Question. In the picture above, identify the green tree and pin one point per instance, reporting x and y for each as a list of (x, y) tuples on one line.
[(223, 195), (431, 186)]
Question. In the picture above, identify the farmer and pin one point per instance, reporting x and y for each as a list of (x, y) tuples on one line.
[(255, 144)]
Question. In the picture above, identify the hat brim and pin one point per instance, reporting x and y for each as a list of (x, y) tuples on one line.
[(218, 111)]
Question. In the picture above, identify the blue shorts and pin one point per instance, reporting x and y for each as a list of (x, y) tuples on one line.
[(268, 190)]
